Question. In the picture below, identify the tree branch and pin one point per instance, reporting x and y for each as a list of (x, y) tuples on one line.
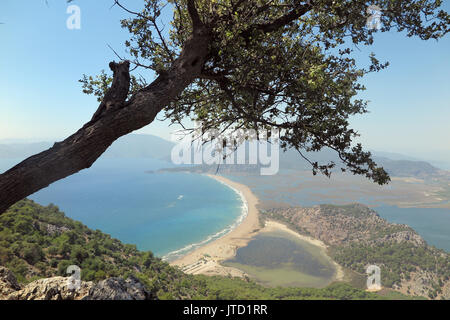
[(80, 150), (279, 22), (193, 13)]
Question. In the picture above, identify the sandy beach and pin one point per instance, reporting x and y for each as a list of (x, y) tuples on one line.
[(272, 225), (206, 259)]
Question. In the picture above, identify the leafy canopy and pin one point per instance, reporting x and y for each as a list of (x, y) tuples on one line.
[(283, 64)]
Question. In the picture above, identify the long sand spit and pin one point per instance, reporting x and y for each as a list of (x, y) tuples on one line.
[(206, 259)]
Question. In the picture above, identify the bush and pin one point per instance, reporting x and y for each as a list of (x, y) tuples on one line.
[(33, 254)]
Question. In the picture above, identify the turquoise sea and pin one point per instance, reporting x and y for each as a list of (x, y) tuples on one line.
[(166, 213)]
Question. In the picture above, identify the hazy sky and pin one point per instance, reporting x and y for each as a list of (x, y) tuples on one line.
[(41, 61)]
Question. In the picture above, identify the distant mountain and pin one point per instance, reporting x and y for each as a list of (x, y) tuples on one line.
[(393, 156), (406, 168), (291, 160), (140, 146), (398, 166), (22, 150), (149, 146), (129, 146)]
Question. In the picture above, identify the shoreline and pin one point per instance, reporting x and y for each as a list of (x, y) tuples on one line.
[(207, 258), (180, 253), (273, 225)]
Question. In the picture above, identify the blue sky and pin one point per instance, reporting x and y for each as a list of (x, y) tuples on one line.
[(41, 61)]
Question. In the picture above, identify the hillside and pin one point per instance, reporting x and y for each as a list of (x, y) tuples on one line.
[(39, 242), (358, 237), (408, 168)]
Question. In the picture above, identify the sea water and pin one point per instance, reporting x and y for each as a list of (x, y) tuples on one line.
[(433, 224), (169, 214)]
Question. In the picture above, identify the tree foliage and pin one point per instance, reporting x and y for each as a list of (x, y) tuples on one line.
[(277, 64)]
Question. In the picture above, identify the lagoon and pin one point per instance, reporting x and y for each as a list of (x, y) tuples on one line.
[(277, 258)]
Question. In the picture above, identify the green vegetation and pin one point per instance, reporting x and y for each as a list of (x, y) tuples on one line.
[(227, 288), (37, 242), (397, 261), (390, 294)]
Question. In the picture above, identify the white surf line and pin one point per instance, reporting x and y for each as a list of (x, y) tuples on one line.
[(176, 254)]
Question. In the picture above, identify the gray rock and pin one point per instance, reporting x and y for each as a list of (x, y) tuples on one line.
[(119, 289), (405, 236), (56, 288), (8, 283)]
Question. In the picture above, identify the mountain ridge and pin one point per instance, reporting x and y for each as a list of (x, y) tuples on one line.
[(150, 146)]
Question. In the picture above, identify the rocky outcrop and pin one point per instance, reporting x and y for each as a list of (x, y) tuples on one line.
[(8, 283), (405, 236), (57, 288), (119, 289), (52, 229)]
